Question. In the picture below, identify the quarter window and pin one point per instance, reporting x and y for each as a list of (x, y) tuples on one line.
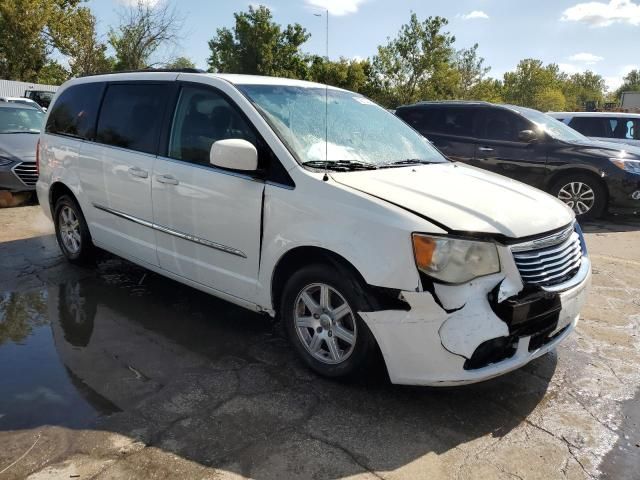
[(74, 112), (131, 116), (625, 128), (203, 117)]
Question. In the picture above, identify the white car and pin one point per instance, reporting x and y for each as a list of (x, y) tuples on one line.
[(314, 204), (612, 127), (24, 101)]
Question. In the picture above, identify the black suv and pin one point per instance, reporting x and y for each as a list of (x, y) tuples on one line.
[(534, 148)]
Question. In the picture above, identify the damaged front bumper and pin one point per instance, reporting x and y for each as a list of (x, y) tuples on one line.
[(458, 334)]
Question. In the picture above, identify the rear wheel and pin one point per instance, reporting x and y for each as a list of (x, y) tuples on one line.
[(72, 231), (319, 309), (583, 193)]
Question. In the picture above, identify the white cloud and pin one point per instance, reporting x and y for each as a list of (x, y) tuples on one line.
[(586, 58), (601, 14), (476, 14), (337, 7), (570, 68)]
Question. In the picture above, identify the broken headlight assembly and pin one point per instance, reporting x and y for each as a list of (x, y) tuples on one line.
[(452, 260)]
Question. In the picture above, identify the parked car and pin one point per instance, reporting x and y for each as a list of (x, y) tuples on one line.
[(529, 146), (24, 101), (607, 126), (19, 128), (41, 97), (356, 232)]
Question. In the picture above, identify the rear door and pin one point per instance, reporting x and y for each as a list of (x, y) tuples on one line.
[(500, 150), (120, 164), (449, 128)]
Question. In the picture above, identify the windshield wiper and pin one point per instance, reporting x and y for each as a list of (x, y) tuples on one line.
[(408, 161), (20, 131), (340, 165)]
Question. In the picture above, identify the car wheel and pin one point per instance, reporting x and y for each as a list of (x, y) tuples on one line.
[(584, 194), (319, 309), (72, 231)]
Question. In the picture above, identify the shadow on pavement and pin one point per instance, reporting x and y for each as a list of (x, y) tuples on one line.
[(612, 223)]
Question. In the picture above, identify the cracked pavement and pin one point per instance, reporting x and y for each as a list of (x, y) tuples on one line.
[(114, 372)]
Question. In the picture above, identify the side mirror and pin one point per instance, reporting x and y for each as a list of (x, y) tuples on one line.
[(528, 136), (235, 154)]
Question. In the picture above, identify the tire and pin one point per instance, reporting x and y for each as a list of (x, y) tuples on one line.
[(580, 190), (72, 231), (331, 324)]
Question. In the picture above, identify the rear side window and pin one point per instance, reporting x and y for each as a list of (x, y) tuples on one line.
[(131, 116), (592, 126), (457, 121), (74, 112)]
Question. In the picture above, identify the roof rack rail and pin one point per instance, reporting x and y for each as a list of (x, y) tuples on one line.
[(147, 70)]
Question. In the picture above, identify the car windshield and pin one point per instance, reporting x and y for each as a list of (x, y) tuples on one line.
[(552, 126), (359, 133), (20, 120)]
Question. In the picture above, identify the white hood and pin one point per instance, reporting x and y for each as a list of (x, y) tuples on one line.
[(464, 198)]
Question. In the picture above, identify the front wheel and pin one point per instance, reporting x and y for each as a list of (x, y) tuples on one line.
[(319, 309), (584, 194)]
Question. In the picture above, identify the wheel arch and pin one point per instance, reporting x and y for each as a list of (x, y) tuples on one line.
[(57, 190), (298, 257), (566, 172)]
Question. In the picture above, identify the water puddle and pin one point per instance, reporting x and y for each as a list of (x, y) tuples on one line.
[(36, 388), (83, 349)]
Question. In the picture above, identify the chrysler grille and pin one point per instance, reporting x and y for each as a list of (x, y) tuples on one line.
[(549, 264)]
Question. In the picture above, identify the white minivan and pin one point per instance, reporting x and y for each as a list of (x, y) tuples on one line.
[(316, 205)]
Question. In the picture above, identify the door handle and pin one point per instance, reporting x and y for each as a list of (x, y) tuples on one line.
[(168, 179), (138, 172), (485, 149)]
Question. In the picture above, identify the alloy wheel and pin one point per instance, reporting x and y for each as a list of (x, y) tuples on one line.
[(325, 323), (69, 225), (579, 196)]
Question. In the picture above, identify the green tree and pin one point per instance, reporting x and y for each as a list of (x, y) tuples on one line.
[(472, 71), (257, 45), (52, 73), (78, 40), (180, 62), (419, 54), (581, 88), (349, 74), (533, 85), (630, 83), (29, 31), (144, 28)]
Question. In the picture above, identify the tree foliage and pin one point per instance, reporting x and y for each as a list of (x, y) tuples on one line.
[(180, 62), (257, 45), (416, 61), (80, 43), (472, 73), (29, 31), (144, 28), (630, 83)]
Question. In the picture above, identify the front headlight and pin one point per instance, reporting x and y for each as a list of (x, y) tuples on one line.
[(5, 161), (632, 166), (452, 260)]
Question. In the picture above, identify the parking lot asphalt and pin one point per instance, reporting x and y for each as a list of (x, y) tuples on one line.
[(115, 372)]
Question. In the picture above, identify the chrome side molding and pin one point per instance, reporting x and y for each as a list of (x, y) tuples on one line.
[(171, 231)]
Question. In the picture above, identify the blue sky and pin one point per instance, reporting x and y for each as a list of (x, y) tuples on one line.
[(600, 35)]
